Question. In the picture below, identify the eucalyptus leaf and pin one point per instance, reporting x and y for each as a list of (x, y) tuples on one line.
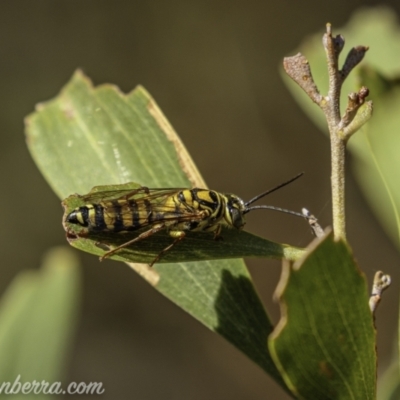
[(99, 136), (38, 317), (389, 381), (324, 343)]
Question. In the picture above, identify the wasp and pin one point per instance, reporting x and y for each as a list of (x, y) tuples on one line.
[(176, 210)]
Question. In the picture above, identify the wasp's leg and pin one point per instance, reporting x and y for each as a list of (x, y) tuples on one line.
[(178, 235), (217, 233), (144, 235)]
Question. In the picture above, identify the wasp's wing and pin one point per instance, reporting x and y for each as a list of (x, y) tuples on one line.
[(141, 192), (141, 206)]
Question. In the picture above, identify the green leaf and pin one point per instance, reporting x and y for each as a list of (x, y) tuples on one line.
[(377, 162), (389, 381), (324, 344), (99, 136), (38, 314)]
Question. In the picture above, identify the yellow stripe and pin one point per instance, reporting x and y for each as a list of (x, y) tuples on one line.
[(91, 214)]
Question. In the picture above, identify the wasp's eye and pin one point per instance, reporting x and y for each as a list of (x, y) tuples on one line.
[(237, 220), (236, 213)]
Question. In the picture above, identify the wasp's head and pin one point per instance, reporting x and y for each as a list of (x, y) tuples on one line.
[(236, 208), (234, 211)]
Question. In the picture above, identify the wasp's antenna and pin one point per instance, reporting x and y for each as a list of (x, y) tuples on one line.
[(270, 191), (276, 209)]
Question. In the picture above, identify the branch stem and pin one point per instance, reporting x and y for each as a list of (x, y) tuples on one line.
[(340, 128), (338, 154), (333, 46)]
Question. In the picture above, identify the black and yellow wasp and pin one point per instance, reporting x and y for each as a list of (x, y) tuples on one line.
[(175, 210)]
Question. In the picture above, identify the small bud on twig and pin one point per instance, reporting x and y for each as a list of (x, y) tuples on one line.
[(315, 226), (381, 283), (355, 101), (361, 118), (356, 54)]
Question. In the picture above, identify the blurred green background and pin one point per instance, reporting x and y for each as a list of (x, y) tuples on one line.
[(213, 69)]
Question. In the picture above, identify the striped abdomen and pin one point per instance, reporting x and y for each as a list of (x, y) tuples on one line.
[(113, 216)]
